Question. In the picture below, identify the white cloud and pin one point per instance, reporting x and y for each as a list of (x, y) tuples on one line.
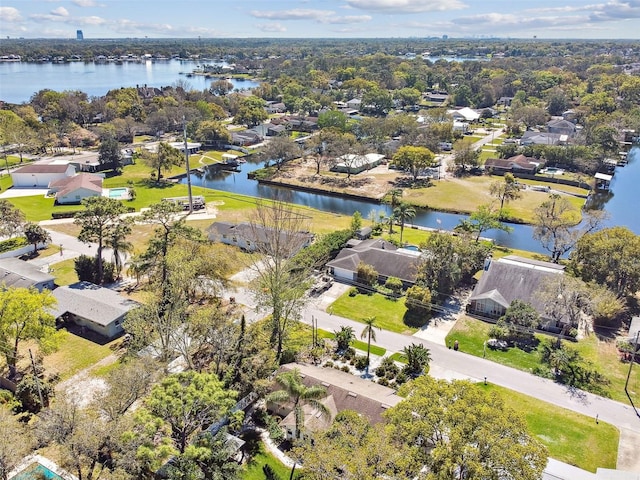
[(9, 14), (85, 3), (271, 27), (60, 12), (320, 16), (408, 6), (295, 14)]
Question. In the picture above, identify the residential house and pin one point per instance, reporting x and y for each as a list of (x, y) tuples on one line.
[(363, 233), (384, 257), (515, 164), (354, 164), (38, 175), (275, 107), (276, 130), (251, 237), (354, 104), (505, 101), (542, 138), (72, 190), (562, 127), (344, 392), (91, 306), (192, 147), (20, 274), (437, 97), (464, 114), (245, 138), (514, 278)]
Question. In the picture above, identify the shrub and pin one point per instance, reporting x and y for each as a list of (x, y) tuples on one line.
[(353, 291), (56, 215), (394, 284), (498, 332), (361, 362), (86, 268), (28, 393), (345, 368), (366, 274), (13, 244), (418, 300), (328, 364), (383, 381)]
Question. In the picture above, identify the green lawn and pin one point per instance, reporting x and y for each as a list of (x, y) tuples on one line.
[(253, 469), (471, 335), (75, 354), (391, 314), (562, 431), (63, 272)]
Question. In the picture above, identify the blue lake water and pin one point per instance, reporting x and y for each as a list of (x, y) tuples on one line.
[(619, 206), (20, 80)]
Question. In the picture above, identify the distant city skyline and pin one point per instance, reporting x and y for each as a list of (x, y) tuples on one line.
[(608, 19)]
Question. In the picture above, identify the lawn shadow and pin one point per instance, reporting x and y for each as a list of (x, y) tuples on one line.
[(83, 332)]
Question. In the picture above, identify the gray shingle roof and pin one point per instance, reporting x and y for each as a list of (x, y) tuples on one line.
[(98, 304), (387, 261), (515, 278), (17, 273)]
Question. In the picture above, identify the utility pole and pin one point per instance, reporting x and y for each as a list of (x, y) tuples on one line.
[(186, 157)]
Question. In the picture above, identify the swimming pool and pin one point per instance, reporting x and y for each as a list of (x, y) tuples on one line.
[(36, 470), (118, 192)]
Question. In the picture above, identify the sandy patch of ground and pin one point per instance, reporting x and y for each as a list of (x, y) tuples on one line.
[(374, 183)]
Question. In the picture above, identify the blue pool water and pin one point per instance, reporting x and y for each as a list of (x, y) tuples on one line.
[(117, 192), (37, 471)]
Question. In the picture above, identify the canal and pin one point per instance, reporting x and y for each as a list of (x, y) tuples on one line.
[(617, 205)]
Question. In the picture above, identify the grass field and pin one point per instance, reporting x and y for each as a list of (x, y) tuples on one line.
[(471, 335), (561, 431), (253, 469), (465, 195), (391, 314), (301, 337)]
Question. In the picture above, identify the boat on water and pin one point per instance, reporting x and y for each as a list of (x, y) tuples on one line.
[(622, 161)]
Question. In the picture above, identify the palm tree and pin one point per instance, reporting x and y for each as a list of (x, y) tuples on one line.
[(418, 358), (117, 242), (404, 212), (299, 394), (344, 337), (394, 201), (370, 333), (35, 234)]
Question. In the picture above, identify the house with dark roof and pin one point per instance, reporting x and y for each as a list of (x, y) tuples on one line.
[(38, 175), (20, 274), (91, 306), (384, 257), (252, 237), (344, 392), (513, 278), (562, 127), (515, 164), (72, 190)]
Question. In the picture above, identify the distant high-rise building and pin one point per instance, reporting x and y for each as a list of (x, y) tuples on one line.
[(445, 37), (79, 35)]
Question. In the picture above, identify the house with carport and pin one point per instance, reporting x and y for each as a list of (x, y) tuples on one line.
[(39, 175), (93, 307)]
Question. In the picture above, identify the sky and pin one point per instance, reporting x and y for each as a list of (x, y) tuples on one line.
[(596, 19)]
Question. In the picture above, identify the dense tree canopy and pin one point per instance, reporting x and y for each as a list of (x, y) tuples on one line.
[(460, 431)]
